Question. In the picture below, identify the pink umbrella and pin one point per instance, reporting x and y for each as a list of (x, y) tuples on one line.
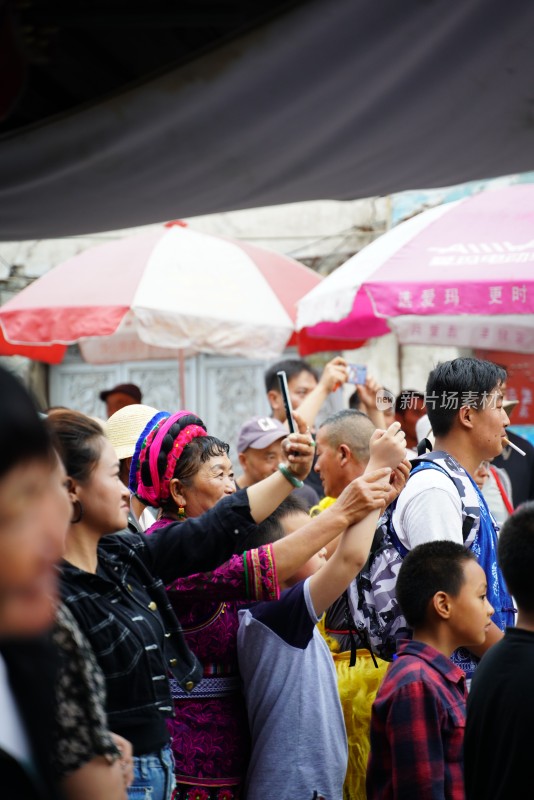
[(459, 274), (159, 294)]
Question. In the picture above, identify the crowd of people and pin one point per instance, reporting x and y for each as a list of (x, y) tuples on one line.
[(343, 619)]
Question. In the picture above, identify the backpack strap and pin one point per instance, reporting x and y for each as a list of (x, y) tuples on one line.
[(356, 630), (419, 465)]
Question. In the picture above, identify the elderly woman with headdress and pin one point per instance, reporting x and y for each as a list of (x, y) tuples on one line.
[(187, 474)]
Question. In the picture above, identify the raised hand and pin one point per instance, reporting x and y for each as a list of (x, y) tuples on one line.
[(387, 448), (299, 449), (367, 392), (334, 374), (398, 479)]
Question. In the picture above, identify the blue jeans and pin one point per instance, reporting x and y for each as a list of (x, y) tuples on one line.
[(153, 776)]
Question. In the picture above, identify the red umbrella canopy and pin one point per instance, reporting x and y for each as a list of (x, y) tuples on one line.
[(157, 293)]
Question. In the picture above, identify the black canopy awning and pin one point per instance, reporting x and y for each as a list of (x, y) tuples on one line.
[(298, 101)]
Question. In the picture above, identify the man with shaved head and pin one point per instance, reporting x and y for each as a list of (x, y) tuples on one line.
[(342, 449)]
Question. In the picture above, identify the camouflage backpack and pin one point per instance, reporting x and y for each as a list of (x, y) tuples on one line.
[(378, 620)]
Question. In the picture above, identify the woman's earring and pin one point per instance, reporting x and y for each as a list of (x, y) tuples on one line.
[(181, 512), (78, 516)]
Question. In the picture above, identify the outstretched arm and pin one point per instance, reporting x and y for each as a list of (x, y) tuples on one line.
[(388, 448), (334, 375), (368, 392), (349, 557), (361, 497)]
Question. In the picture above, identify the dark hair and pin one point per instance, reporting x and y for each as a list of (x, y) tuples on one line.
[(453, 384), (429, 568), (23, 435), (78, 440), (515, 555), (292, 367), (197, 452), (355, 401), (405, 400), (271, 530), (350, 427)]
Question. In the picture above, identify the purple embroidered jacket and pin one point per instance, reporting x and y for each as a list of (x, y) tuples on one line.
[(210, 736)]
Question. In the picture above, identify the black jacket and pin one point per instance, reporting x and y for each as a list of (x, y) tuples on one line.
[(125, 614), (31, 668)]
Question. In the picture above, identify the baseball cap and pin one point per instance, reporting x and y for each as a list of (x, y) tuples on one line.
[(123, 388), (260, 432)]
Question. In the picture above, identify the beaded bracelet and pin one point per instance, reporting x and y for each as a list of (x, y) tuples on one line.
[(288, 475)]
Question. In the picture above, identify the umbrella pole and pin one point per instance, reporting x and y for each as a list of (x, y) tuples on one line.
[(181, 377)]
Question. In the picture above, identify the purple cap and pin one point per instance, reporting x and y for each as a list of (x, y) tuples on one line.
[(260, 432)]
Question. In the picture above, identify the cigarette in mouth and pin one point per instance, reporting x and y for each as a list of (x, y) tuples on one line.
[(513, 446)]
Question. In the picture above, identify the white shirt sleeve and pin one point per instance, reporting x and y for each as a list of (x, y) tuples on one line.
[(13, 737), (429, 508)]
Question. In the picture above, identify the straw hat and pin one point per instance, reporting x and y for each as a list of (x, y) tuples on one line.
[(125, 426)]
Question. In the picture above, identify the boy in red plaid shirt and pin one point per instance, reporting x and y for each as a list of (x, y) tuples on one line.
[(418, 717)]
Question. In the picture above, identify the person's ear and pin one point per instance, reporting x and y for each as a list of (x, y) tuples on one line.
[(442, 604), (465, 416), (176, 493), (72, 487), (275, 399), (344, 454), (242, 461)]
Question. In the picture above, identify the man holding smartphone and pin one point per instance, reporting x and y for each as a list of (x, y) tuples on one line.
[(307, 393)]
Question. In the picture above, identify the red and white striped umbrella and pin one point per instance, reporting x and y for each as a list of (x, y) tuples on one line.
[(155, 294)]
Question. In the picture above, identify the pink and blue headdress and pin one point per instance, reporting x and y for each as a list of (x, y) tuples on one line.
[(149, 486)]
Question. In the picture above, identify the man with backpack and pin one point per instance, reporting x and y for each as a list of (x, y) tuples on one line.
[(441, 500), (367, 615)]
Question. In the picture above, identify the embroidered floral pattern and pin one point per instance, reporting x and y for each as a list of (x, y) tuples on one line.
[(197, 794), (205, 793)]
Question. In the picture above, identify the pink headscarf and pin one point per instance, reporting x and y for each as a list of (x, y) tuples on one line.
[(156, 494)]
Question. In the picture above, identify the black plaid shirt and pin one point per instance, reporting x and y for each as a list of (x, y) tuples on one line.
[(124, 612)]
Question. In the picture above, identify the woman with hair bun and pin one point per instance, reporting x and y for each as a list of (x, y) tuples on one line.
[(112, 585), (188, 475)]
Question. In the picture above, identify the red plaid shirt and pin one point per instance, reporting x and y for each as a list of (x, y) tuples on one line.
[(417, 728)]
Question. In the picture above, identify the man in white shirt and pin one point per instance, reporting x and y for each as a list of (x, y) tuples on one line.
[(464, 402)]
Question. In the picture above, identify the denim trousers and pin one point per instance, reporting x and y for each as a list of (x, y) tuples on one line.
[(153, 776)]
